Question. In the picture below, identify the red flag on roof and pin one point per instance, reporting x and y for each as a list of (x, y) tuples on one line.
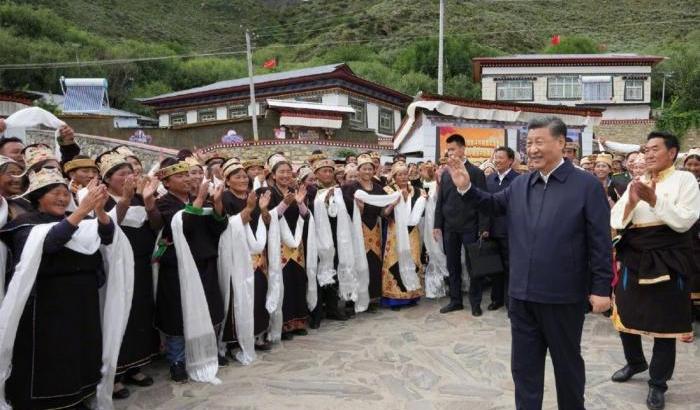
[(555, 40), (270, 64)]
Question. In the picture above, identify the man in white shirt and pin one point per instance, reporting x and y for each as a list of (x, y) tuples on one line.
[(652, 296)]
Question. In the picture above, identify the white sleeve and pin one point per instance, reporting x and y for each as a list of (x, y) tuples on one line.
[(681, 215), (617, 212), (620, 147)]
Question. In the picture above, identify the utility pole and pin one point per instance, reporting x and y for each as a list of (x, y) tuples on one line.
[(663, 89), (440, 48), (253, 105)]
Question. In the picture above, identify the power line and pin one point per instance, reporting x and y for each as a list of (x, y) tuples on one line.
[(67, 64)]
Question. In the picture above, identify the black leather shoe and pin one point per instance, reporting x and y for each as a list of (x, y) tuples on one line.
[(337, 315), (628, 371), (655, 399), (301, 332), (476, 311), (451, 307), (178, 373), (287, 336), (495, 306), (223, 361)]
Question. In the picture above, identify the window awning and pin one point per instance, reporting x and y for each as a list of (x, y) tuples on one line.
[(309, 106), (596, 79), (312, 120)]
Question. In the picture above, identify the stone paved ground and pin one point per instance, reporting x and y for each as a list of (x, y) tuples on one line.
[(414, 359)]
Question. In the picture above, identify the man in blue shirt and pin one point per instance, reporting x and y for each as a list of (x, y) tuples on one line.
[(558, 221)]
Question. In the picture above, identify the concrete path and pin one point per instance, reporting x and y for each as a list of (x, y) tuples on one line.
[(414, 359)]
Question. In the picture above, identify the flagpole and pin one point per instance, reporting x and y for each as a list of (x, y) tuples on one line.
[(253, 105)]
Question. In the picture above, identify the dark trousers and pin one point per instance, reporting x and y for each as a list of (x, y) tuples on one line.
[(536, 327), (499, 283), (454, 242), (663, 358)]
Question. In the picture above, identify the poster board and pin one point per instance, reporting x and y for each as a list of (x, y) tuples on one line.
[(480, 142)]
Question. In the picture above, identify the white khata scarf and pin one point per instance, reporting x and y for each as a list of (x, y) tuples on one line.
[(406, 215), (361, 266), (293, 241), (115, 298), (33, 116), (325, 246), (201, 352), (3, 247), (436, 270), (236, 271)]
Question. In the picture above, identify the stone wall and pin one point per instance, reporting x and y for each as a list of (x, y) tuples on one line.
[(92, 146), (296, 150), (635, 132)]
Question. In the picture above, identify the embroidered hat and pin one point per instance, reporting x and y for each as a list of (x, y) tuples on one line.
[(398, 167), (605, 159), (253, 162), (42, 178), (193, 162), (171, 170), (323, 163), (303, 172), (231, 166), (79, 163), (35, 154), (364, 159), (275, 159)]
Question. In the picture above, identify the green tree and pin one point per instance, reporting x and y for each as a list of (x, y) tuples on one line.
[(573, 45)]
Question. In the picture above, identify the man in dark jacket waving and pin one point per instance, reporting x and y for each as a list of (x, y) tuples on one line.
[(457, 226), (558, 222)]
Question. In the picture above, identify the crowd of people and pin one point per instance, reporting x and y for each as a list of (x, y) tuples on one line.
[(200, 259)]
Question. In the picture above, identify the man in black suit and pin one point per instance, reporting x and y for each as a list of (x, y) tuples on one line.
[(503, 158), (457, 227), (559, 231)]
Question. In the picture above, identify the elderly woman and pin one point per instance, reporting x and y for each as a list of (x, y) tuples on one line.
[(291, 206), (238, 200), (57, 352), (11, 186), (140, 221), (201, 230), (371, 227), (394, 292), (603, 171)]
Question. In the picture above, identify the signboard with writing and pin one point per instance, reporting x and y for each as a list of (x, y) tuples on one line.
[(480, 142)]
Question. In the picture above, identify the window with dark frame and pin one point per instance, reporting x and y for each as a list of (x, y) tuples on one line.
[(178, 118), (386, 121), (514, 90), (206, 115), (359, 118), (634, 90), (237, 111)]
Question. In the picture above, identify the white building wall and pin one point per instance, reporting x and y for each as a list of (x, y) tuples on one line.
[(192, 117), (221, 113), (620, 110), (164, 120)]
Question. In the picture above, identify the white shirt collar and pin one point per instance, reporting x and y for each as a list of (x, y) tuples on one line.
[(502, 176), (545, 178)]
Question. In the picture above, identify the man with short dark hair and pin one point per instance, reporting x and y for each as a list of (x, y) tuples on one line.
[(561, 260), (503, 158), (12, 147), (652, 296), (458, 226)]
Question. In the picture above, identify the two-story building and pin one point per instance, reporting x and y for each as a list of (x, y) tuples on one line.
[(618, 83), (312, 106)]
